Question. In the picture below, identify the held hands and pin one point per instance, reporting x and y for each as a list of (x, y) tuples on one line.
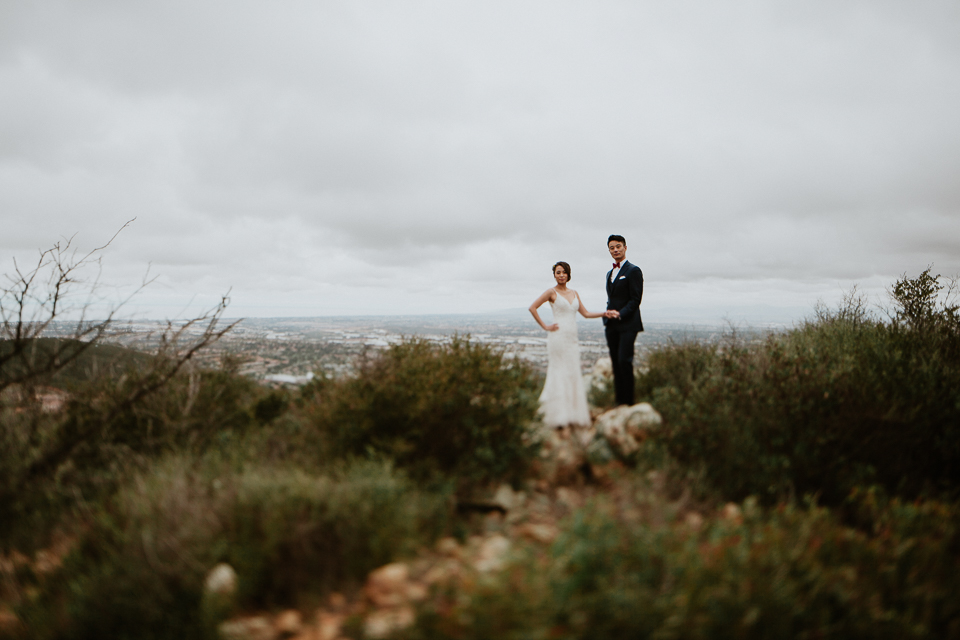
[(613, 314)]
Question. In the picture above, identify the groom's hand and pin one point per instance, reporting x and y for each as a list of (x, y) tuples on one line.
[(613, 314)]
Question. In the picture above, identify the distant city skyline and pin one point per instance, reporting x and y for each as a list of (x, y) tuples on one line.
[(326, 159)]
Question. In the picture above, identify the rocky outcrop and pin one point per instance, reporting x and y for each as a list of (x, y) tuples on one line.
[(570, 470), (625, 428)]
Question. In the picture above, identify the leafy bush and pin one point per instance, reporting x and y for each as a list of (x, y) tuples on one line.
[(790, 572), (138, 570), (602, 393), (459, 410), (840, 401), (109, 428)]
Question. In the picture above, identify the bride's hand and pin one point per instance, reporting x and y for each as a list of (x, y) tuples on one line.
[(552, 327)]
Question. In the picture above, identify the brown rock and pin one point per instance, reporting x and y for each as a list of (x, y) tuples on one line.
[(329, 625), (492, 554), (507, 498), (337, 601), (384, 622), (19, 560), (569, 498), (448, 547), (694, 520), (416, 592), (605, 474), (732, 513), (249, 628), (441, 572), (289, 623), (542, 533), (46, 562), (387, 586)]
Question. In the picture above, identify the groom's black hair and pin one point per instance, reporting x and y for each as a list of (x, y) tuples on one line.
[(618, 239)]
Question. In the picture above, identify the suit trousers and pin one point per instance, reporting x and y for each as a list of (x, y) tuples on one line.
[(621, 344)]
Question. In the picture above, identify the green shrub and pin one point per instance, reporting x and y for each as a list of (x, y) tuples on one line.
[(790, 572), (840, 401), (458, 410), (602, 394), (138, 569), (49, 461)]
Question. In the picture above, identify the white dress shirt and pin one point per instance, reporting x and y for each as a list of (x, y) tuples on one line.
[(614, 272)]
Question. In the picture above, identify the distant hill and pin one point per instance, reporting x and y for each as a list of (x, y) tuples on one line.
[(94, 360)]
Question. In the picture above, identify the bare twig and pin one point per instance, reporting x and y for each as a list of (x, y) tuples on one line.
[(33, 300)]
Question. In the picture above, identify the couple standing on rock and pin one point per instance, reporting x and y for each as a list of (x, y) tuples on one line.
[(564, 397)]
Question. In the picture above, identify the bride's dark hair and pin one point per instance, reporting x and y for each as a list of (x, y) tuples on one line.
[(565, 267)]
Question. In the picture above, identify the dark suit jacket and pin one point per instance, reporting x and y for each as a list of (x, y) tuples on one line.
[(624, 294)]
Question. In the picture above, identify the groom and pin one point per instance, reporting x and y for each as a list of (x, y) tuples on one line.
[(622, 319)]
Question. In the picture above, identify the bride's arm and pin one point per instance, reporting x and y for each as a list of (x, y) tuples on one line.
[(546, 295), (589, 314)]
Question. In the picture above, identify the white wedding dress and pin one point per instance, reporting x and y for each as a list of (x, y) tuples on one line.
[(564, 397)]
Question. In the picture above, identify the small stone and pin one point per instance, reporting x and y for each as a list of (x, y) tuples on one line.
[(542, 533), (442, 571), (251, 628), (222, 580), (493, 521), (385, 622), (19, 560), (46, 562), (289, 623), (732, 513), (448, 547), (386, 586), (569, 498), (694, 520), (507, 498), (492, 554), (416, 592), (329, 625)]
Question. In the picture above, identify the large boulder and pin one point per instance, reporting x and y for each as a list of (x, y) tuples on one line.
[(625, 427)]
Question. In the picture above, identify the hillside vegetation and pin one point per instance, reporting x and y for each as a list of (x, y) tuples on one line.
[(100, 359), (802, 487), (844, 400)]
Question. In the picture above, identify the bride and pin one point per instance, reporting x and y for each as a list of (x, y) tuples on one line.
[(564, 398)]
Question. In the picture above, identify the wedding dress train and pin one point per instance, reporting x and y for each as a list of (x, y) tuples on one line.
[(564, 397)]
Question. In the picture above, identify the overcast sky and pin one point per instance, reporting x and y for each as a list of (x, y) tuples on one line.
[(328, 158)]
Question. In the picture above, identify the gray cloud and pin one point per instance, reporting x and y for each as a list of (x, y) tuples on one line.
[(440, 157)]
